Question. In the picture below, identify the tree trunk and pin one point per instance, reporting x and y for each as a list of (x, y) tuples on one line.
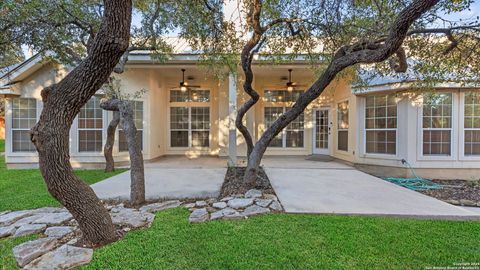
[(345, 57), (62, 102), (108, 148), (137, 184)]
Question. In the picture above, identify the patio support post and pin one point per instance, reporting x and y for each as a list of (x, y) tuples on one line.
[(232, 114)]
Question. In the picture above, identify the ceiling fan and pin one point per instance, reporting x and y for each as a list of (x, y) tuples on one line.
[(291, 85), (184, 86)]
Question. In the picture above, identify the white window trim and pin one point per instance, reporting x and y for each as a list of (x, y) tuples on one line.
[(142, 129), (189, 105), (9, 128), (337, 129), (364, 134), (454, 133), (461, 118), (284, 106)]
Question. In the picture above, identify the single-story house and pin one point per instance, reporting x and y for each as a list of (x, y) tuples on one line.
[(374, 127)]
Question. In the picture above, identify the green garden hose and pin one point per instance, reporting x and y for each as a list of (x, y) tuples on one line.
[(416, 183)]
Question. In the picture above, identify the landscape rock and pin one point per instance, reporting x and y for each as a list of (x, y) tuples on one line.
[(219, 205), (227, 199), (270, 197), (132, 218), (28, 251), (155, 207), (198, 215), (7, 231), (226, 211), (276, 206), (255, 210), (65, 257), (27, 220), (49, 209), (10, 218), (59, 231), (240, 203), (30, 229), (4, 212), (253, 193), (468, 203), (263, 202), (234, 215), (211, 200), (189, 205), (55, 218), (201, 203)]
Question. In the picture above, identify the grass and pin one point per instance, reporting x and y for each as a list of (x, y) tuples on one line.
[(7, 261), (286, 241), (2, 146), (25, 189)]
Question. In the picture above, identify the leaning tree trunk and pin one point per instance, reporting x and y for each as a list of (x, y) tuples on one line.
[(346, 56), (62, 102), (108, 148), (137, 184)]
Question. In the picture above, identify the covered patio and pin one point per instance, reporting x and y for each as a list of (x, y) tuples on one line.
[(171, 177)]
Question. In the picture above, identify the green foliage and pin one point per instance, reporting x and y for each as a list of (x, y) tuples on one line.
[(286, 241), (25, 189)]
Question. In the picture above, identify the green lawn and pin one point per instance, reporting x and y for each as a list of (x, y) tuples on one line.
[(2, 146), (25, 189), (287, 241)]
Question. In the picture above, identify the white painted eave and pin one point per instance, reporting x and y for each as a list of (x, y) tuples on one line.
[(408, 85)]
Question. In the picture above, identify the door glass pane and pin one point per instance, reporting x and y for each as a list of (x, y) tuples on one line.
[(321, 129)]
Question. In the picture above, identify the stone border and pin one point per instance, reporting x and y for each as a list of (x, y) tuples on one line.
[(60, 233)]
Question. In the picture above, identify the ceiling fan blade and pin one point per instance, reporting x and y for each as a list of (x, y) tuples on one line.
[(194, 86)]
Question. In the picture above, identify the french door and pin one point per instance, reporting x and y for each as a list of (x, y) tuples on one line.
[(321, 131)]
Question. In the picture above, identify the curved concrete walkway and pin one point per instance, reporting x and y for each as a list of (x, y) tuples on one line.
[(174, 177), (306, 186)]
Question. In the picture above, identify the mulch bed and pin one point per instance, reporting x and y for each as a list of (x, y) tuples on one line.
[(234, 184), (456, 190)]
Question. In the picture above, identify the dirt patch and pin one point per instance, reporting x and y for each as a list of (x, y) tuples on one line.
[(234, 184), (456, 190)]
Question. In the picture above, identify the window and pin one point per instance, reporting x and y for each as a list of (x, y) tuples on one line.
[(342, 126), (437, 124), (137, 107), (24, 117), (189, 118), (282, 95), (292, 136), (381, 124), (90, 127), (472, 124)]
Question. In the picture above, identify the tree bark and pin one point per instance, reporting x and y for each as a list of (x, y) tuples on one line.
[(108, 148), (62, 102), (137, 184), (345, 57)]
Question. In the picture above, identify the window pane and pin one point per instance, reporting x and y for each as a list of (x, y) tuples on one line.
[(24, 117), (343, 140), (436, 142), (381, 142), (343, 115), (282, 95), (437, 120), (179, 118), (294, 138), (21, 141), (179, 138), (200, 138), (472, 123), (191, 95), (90, 126), (90, 141), (200, 118)]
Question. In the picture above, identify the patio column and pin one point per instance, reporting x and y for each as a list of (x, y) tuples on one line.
[(232, 114)]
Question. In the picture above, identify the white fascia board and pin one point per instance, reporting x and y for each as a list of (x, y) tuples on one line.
[(407, 86)]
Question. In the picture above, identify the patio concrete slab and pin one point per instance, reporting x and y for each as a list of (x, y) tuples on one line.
[(345, 190), (169, 178)]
